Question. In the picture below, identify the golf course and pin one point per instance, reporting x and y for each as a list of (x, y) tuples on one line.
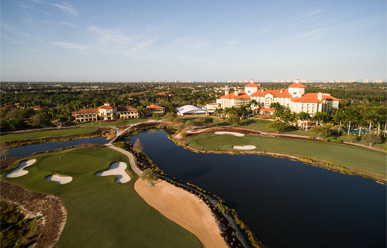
[(349, 156), (101, 212), (46, 134)]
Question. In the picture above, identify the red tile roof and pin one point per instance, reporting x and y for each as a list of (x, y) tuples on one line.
[(251, 85), (275, 93), (241, 95), (107, 107), (267, 109), (297, 85), (313, 98), (152, 106), (126, 109), (86, 111), (326, 97)]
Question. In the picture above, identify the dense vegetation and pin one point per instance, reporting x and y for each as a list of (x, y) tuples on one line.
[(60, 100)]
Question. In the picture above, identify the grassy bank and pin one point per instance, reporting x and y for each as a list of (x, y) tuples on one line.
[(101, 212), (260, 125), (352, 157), (46, 134), (106, 124)]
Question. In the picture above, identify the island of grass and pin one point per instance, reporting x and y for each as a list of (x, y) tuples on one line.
[(46, 134), (358, 158), (101, 212)]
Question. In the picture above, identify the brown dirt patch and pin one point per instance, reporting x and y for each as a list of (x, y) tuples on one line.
[(50, 210), (184, 209)]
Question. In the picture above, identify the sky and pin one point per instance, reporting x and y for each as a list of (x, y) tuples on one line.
[(43, 40)]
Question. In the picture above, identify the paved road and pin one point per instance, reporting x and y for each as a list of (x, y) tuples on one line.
[(130, 157)]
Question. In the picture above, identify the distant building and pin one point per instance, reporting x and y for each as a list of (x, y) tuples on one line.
[(190, 110), (293, 98), (105, 112), (155, 109)]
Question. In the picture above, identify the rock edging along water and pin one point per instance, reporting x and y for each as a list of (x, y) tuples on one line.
[(306, 160)]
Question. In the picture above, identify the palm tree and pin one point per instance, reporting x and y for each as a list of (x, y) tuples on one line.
[(254, 103), (372, 117), (352, 116), (320, 117), (304, 117)]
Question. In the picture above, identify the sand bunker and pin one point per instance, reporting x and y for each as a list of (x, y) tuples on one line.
[(244, 147), (183, 208), (59, 179), (18, 172), (116, 169), (232, 133)]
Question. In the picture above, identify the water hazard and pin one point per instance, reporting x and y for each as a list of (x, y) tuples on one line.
[(286, 203), (28, 150)]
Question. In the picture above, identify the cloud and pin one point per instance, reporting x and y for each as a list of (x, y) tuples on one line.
[(70, 45), (66, 8), (29, 7), (109, 35), (310, 34), (68, 24), (61, 23), (310, 13)]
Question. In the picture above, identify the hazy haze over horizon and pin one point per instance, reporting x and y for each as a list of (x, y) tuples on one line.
[(44, 40)]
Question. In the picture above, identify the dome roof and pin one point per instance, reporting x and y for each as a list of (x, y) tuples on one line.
[(190, 109)]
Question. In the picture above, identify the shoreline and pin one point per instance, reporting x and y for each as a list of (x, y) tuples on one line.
[(181, 141)]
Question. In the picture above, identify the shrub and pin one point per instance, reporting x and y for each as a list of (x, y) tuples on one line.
[(183, 135), (310, 137)]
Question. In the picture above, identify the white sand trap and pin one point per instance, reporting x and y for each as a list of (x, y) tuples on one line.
[(59, 179), (116, 169), (232, 133), (18, 172), (244, 147)]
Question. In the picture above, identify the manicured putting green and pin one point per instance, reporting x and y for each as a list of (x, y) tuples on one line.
[(100, 211), (67, 163)]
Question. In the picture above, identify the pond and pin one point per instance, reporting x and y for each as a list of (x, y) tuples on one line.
[(286, 203), (28, 150)]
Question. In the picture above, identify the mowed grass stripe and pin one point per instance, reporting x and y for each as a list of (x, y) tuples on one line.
[(349, 156), (46, 134), (102, 212)]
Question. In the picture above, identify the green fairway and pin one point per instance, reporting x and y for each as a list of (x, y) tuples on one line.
[(107, 124), (224, 141), (46, 134), (101, 212), (348, 156)]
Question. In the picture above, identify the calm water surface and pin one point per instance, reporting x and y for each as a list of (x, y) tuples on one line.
[(286, 203), (28, 150)]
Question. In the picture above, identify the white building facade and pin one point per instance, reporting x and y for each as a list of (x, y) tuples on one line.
[(293, 98)]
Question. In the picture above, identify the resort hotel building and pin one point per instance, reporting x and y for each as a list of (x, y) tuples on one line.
[(293, 98), (105, 112)]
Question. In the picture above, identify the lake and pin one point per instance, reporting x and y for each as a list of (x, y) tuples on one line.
[(28, 150), (286, 203)]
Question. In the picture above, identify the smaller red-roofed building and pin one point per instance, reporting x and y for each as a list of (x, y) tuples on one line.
[(86, 115), (39, 108), (127, 112), (155, 109), (266, 111)]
